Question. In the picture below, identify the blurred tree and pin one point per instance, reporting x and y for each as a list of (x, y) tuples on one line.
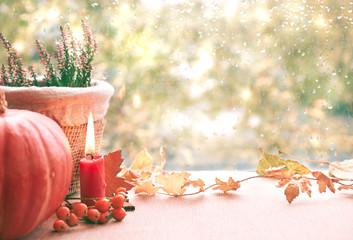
[(211, 80)]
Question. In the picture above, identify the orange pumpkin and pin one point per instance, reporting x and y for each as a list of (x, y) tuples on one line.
[(35, 170)]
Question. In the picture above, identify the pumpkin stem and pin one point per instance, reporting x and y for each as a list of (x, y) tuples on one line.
[(3, 102)]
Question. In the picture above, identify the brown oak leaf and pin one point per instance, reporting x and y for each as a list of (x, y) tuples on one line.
[(231, 185), (147, 187), (173, 183), (291, 192), (112, 163), (323, 181)]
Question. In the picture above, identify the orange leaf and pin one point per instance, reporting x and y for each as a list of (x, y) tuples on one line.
[(279, 173), (147, 187), (131, 176), (304, 186), (199, 183), (291, 192), (145, 175), (345, 187), (283, 182), (323, 181), (112, 163), (231, 185), (173, 183)]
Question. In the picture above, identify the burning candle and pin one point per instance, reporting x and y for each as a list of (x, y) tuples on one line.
[(92, 180)]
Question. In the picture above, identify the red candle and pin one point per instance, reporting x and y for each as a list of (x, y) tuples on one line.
[(92, 179)]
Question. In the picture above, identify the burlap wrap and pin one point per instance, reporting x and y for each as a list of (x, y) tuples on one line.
[(70, 108)]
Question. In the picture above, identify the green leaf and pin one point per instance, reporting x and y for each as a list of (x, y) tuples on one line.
[(268, 161)]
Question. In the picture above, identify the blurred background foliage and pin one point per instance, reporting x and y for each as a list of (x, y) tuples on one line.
[(210, 80)]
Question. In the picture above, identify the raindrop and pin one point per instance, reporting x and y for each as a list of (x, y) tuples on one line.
[(314, 91), (329, 106), (94, 4)]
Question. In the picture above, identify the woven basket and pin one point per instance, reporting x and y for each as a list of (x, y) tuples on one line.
[(70, 108)]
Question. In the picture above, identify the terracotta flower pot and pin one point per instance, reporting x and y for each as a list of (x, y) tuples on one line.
[(70, 108)]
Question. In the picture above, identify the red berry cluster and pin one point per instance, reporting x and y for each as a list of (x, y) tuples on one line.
[(103, 210)]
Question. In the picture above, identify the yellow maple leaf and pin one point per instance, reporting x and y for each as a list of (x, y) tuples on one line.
[(173, 183), (147, 187), (142, 160), (231, 185), (323, 181)]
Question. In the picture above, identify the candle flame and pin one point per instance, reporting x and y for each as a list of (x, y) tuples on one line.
[(90, 143)]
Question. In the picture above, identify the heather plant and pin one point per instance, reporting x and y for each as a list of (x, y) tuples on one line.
[(72, 66)]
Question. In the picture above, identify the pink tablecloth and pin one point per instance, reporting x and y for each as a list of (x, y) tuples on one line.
[(258, 210)]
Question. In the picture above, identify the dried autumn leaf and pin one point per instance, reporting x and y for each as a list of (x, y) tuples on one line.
[(142, 160), (345, 187), (132, 176), (199, 183), (323, 181), (145, 175), (269, 161), (291, 192), (112, 163), (147, 187), (173, 183), (304, 186), (283, 182), (279, 173), (231, 185)]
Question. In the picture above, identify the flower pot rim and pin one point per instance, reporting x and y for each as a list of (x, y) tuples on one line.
[(68, 106)]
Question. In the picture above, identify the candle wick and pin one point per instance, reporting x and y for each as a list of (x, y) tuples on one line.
[(88, 154)]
